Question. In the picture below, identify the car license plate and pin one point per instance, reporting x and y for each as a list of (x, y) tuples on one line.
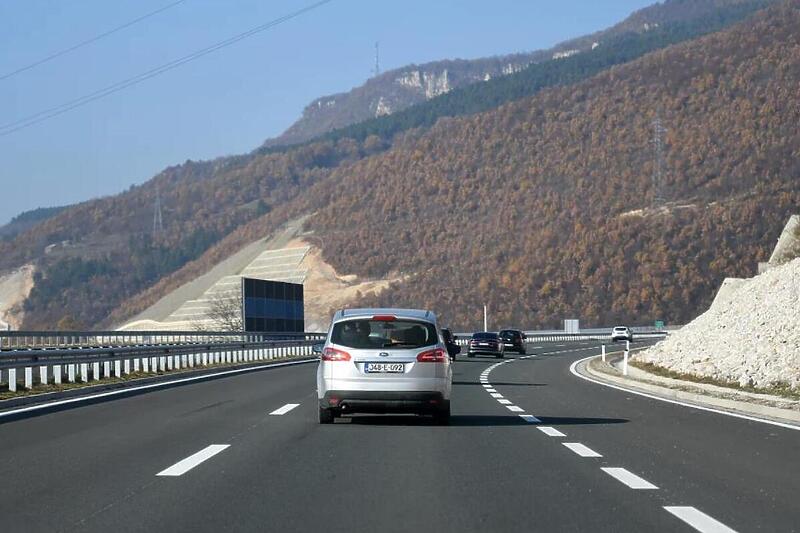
[(384, 368)]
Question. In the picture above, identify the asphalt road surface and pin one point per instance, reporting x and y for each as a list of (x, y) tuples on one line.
[(530, 447)]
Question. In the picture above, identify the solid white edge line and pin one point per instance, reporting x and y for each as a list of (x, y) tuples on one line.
[(573, 366), (698, 519), (628, 478), (581, 449), (183, 466), (550, 431), (145, 387), (285, 409)]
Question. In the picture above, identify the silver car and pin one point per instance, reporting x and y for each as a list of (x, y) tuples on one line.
[(381, 361)]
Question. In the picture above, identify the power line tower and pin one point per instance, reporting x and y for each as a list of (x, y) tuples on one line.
[(658, 161), (158, 221), (377, 59)]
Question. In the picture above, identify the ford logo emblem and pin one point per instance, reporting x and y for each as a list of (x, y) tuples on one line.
[(384, 354)]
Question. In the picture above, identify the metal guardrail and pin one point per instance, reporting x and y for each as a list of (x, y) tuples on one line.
[(94, 364), (10, 340), (462, 339)]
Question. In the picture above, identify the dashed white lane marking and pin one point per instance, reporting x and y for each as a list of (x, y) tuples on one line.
[(515, 408), (496, 395), (490, 390), (530, 419), (581, 450), (285, 409), (628, 478), (504, 401), (551, 432), (181, 467), (699, 520)]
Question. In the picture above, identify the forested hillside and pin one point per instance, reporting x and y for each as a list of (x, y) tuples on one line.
[(568, 164), (567, 157)]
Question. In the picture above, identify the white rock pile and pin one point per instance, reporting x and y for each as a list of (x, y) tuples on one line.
[(751, 337)]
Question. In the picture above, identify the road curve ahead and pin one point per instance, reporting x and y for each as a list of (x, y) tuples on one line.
[(530, 448)]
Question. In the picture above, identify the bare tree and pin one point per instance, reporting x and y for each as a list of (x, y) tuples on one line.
[(225, 310)]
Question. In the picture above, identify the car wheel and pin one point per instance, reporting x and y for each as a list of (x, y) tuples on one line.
[(442, 416), (470, 355), (499, 356), (325, 416)]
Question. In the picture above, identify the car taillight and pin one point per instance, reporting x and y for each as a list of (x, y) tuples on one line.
[(332, 354), (432, 356)]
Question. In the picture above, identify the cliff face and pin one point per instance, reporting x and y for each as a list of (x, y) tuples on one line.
[(395, 90), (401, 88)]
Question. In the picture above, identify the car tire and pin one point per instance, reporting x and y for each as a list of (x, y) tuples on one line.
[(470, 354), (442, 416), (499, 356), (326, 416), (523, 351)]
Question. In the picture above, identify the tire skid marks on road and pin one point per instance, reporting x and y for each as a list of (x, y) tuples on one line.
[(690, 515)]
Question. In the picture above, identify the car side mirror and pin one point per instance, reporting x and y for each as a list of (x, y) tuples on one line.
[(317, 348)]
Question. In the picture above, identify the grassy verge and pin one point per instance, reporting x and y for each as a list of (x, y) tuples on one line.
[(38, 388), (783, 390)]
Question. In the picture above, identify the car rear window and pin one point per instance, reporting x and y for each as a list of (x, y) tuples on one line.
[(484, 336), (510, 333), (383, 334)]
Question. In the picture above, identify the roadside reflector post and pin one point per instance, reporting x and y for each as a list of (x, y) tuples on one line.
[(625, 364), (604, 353), (627, 345)]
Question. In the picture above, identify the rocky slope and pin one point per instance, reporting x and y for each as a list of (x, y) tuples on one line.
[(752, 337)]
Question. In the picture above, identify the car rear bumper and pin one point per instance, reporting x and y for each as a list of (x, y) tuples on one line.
[(484, 349), (349, 401)]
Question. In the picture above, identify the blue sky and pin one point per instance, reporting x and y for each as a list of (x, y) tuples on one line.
[(230, 101)]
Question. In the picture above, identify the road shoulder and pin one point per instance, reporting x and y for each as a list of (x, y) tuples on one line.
[(762, 407)]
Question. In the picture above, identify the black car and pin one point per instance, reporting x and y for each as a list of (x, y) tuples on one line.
[(488, 343), (513, 339), (450, 341)]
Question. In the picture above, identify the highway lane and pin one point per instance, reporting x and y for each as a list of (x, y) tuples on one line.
[(94, 468)]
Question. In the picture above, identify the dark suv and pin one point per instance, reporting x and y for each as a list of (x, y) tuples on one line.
[(513, 340)]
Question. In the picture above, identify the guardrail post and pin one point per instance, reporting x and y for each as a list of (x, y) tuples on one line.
[(84, 372), (145, 362), (126, 366), (12, 379), (28, 377), (43, 375), (118, 368), (106, 369), (162, 363), (96, 371), (604, 353), (169, 362), (57, 374), (625, 364), (71, 373)]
